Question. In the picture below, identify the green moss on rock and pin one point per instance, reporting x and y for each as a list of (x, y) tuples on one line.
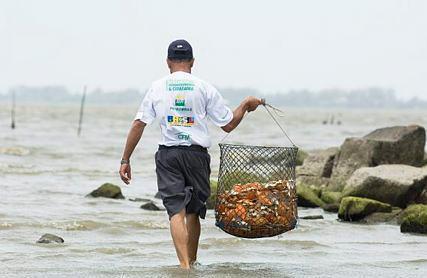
[(307, 197), (107, 190), (355, 208), (414, 219), (331, 197), (301, 156)]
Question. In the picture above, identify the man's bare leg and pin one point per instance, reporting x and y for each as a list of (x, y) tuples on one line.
[(180, 238), (193, 228)]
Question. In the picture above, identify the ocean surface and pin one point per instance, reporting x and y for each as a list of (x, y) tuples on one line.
[(46, 171)]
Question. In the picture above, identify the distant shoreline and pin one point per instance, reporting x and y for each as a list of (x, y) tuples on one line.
[(366, 98)]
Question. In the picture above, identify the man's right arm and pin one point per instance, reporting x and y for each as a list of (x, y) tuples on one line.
[(132, 140), (248, 104)]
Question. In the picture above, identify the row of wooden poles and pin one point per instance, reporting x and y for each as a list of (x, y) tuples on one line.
[(82, 104)]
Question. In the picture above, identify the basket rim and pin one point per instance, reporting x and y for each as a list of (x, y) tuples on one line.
[(257, 146)]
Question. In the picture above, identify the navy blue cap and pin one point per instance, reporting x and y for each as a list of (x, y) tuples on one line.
[(180, 49)]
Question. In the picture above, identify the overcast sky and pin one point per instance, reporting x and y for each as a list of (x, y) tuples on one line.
[(269, 45)]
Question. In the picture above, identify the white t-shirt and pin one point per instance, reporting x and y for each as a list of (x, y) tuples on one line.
[(183, 103)]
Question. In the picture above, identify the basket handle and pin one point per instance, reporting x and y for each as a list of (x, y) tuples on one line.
[(267, 107), (276, 110)]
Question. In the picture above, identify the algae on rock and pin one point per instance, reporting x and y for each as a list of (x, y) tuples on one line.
[(355, 208)]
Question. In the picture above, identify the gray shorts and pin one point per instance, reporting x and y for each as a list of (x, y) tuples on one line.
[(183, 178)]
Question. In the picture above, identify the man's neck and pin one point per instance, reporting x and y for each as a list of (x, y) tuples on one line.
[(184, 69)]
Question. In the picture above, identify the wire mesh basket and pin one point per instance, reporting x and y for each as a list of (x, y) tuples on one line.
[(256, 194)]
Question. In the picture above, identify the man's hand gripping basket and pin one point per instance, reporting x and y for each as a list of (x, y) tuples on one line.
[(256, 195)]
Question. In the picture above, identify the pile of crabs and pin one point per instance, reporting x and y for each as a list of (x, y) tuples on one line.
[(255, 205)]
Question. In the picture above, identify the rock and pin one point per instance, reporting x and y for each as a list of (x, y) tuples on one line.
[(307, 197), (331, 207), (311, 217), (107, 190), (319, 163), (391, 145), (331, 197), (383, 217), (313, 181), (158, 195), (397, 185), (139, 199), (150, 206), (422, 198), (355, 208), (50, 238), (301, 156), (210, 203), (317, 168), (414, 219)]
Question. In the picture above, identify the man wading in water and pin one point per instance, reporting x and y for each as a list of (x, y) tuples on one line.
[(183, 103)]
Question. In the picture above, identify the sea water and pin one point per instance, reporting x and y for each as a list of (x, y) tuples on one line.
[(46, 170)]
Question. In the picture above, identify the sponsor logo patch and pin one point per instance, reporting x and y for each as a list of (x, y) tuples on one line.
[(180, 121), (180, 100), (183, 136)]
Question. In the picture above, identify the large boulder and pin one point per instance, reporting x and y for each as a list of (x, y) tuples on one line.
[(317, 168), (422, 198), (331, 197), (318, 163), (397, 185), (414, 219), (107, 190), (355, 208), (390, 145)]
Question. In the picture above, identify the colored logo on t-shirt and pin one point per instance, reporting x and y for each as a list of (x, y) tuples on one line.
[(183, 136), (180, 100), (180, 121), (179, 85)]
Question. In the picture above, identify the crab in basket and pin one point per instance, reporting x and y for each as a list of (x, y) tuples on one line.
[(256, 205)]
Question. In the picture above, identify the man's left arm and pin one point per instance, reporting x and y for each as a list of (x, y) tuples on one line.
[(132, 140)]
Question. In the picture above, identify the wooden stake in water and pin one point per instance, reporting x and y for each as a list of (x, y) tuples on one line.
[(81, 112), (13, 125)]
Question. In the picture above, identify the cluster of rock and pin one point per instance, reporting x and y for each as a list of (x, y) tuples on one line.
[(108, 190), (370, 179)]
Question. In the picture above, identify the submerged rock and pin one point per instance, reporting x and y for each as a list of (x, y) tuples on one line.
[(150, 206), (311, 217), (139, 199), (50, 238), (107, 190), (307, 197), (414, 219), (390, 145), (397, 185), (383, 217), (355, 208)]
